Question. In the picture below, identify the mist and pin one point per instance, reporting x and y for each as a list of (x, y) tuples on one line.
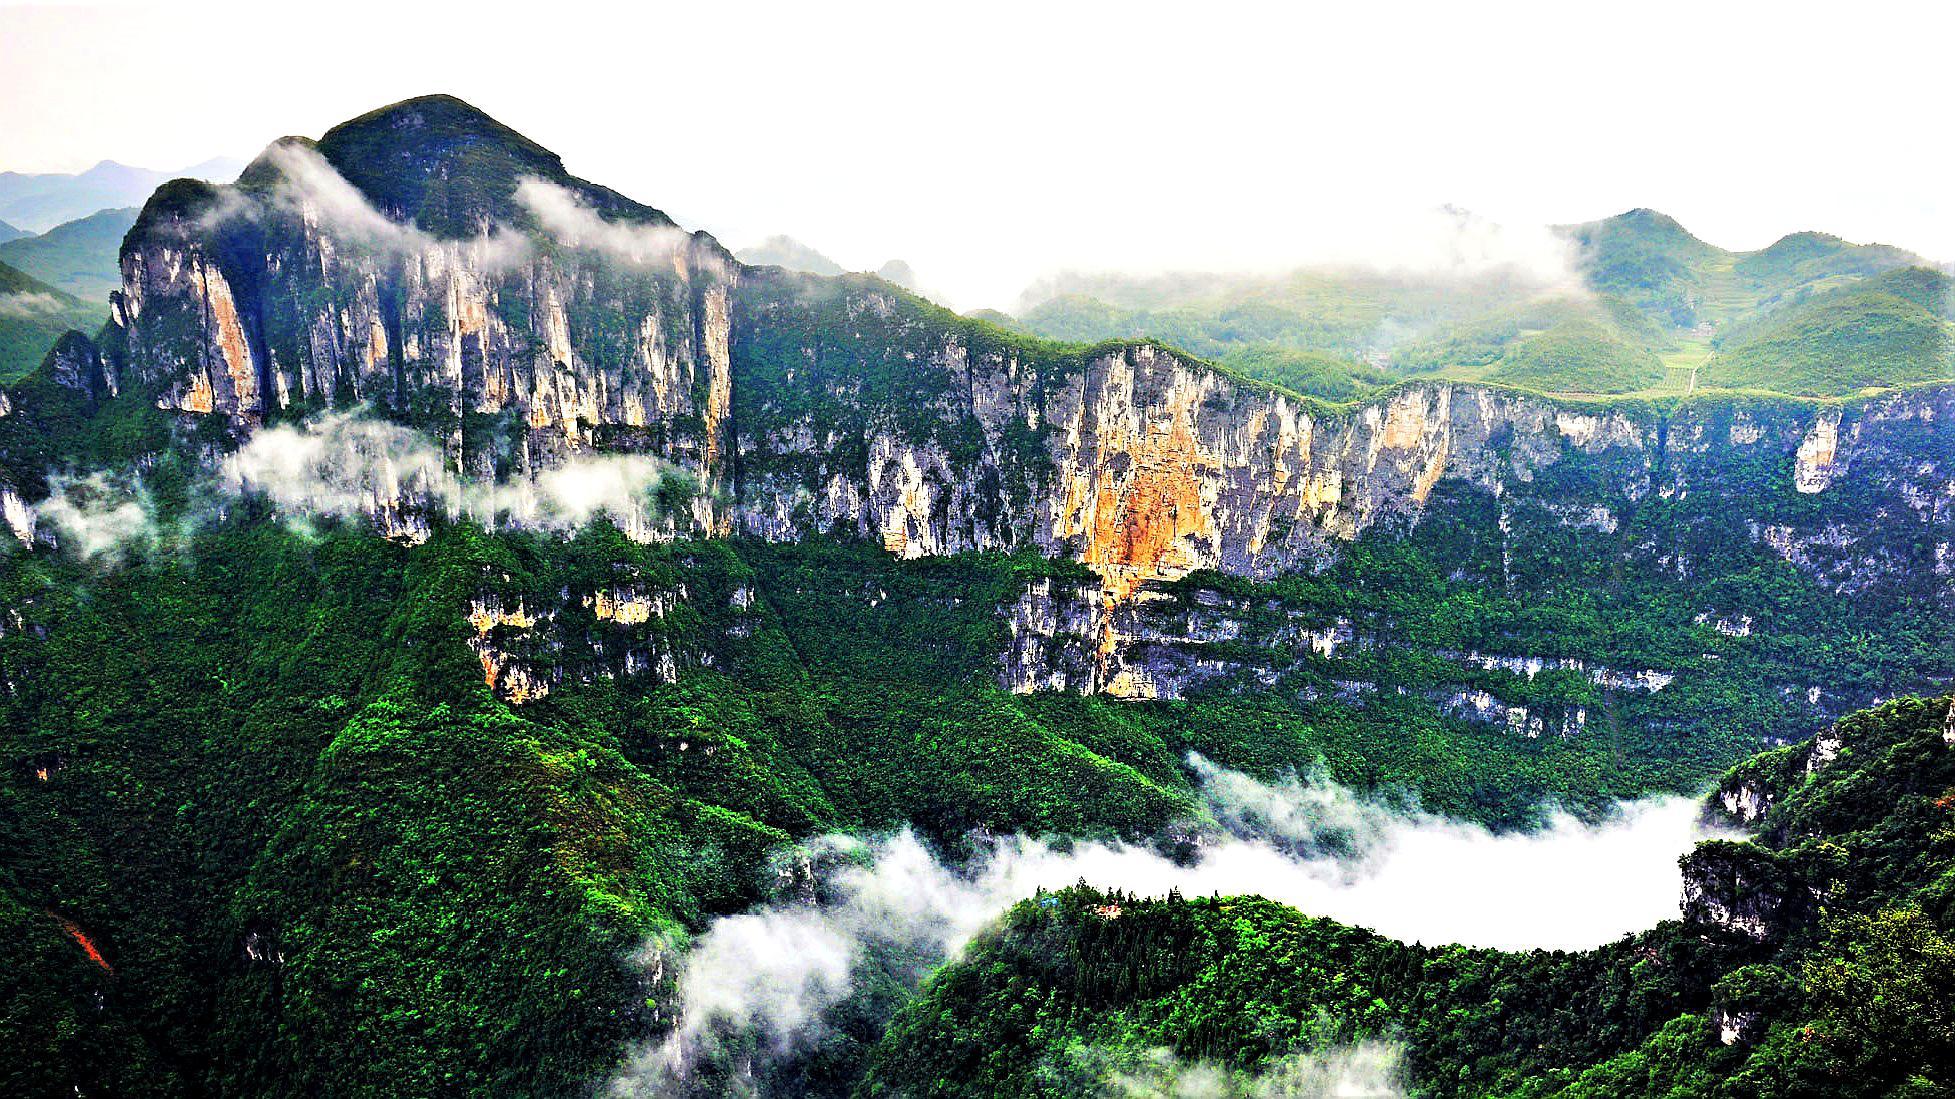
[(98, 517), (565, 217), (1442, 244), (315, 191), (1366, 1070), (348, 464), (761, 981), (30, 304)]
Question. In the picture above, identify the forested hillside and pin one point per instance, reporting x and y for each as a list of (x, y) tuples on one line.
[(1813, 958)]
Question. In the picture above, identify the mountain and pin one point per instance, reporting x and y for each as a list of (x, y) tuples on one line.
[(1561, 344), (32, 316), (445, 591), (39, 202), (79, 257), (1653, 301), (1647, 258), (8, 232), (785, 251), (898, 272)]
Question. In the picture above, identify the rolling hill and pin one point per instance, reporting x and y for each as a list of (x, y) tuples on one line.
[(1655, 300), (1894, 329), (78, 257)]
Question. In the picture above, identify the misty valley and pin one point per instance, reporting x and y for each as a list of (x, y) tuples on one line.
[(463, 632)]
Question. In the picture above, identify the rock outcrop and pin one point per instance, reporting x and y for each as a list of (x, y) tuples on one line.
[(1740, 888)]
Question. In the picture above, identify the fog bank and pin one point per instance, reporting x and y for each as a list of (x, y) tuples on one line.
[(760, 982)]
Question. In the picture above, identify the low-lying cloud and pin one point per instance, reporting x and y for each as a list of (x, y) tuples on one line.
[(312, 189), (566, 218), (32, 303), (762, 981), (1365, 1070), (1442, 245), (97, 517), (347, 465)]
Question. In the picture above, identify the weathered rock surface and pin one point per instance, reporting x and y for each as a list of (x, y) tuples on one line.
[(553, 318)]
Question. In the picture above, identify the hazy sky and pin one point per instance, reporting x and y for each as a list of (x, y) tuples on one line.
[(990, 142)]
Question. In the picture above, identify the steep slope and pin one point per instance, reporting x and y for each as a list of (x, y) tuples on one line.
[(566, 319), (8, 232), (79, 257)]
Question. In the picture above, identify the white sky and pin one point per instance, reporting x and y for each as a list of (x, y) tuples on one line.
[(988, 143)]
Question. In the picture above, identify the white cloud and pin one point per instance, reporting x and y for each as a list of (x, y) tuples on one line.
[(565, 217), (1366, 1070), (97, 516), (767, 976), (348, 464), (314, 189), (30, 304), (1203, 132)]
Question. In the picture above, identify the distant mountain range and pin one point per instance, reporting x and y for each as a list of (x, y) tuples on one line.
[(785, 251), (78, 257), (33, 315), (40, 201), (1654, 311)]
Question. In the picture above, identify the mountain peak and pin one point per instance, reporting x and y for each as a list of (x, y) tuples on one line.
[(437, 161), (1657, 225)]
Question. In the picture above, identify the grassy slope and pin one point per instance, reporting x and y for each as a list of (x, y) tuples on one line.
[(1660, 297), (1895, 329), (79, 257), (32, 316)]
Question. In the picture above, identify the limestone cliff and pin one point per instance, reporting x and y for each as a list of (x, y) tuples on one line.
[(424, 263)]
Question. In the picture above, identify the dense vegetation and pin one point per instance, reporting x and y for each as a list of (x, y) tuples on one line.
[(1849, 998), (311, 847), (1894, 329)]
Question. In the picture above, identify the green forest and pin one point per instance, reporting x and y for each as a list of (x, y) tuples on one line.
[(1844, 990)]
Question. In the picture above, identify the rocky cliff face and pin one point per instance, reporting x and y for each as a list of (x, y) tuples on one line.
[(1740, 888), (1147, 466), (255, 307), (543, 318)]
